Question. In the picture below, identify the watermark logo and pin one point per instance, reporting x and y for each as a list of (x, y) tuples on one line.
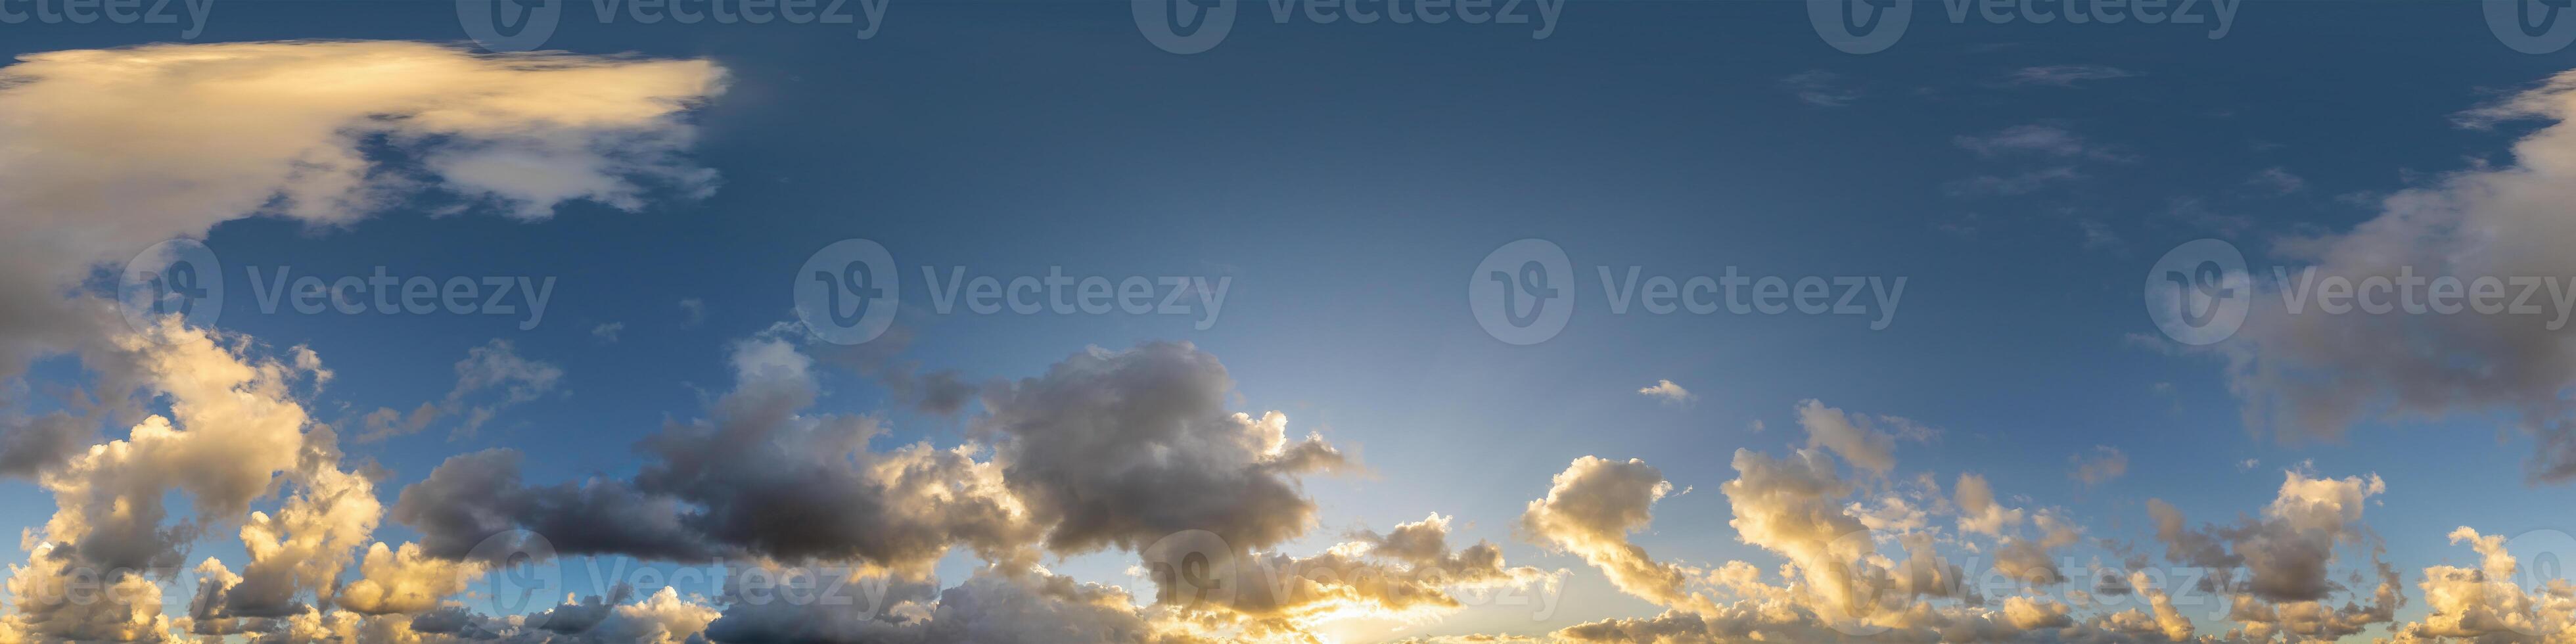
[(847, 292), (524, 574), (509, 25), (178, 277), (1193, 26), (524, 25), (117, 12), (2531, 26), (1184, 26), (1192, 569), (1523, 293), (1872, 26), (1860, 26), (2199, 292)]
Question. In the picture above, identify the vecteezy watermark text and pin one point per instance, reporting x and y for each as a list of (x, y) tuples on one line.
[(182, 277), (1871, 26), (523, 25), (1523, 293), (119, 12), (2200, 293), (385, 294), (848, 292), (1193, 26)]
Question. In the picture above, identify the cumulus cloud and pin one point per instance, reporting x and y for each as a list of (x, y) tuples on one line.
[(2316, 375), (1589, 511), (1121, 448), (745, 481)]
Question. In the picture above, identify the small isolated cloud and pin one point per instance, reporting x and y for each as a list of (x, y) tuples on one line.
[(2277, 181), (2248, 465), (692, 312), (2104, 464), (2037, 139), (607, 333), (2014, 184), (2065, 75), (1671, 394), (1821, 88)]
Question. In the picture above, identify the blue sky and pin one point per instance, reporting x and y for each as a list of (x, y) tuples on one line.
[(1347, 178)]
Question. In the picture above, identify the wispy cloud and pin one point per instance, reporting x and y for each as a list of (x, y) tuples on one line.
[(1821, 88), (2064, 75)]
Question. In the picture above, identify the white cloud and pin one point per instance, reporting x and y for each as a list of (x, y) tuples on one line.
[(1671, 394)]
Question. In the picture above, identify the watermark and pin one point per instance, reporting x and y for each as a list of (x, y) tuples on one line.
[(2531, 26), (179, 277), (2200, 292), (1524, 293), (184, 278), (848, 293), (525, 25), (1872, 26), (192, 13), (1193, 26)]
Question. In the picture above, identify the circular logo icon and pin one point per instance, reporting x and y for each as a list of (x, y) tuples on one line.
[(179, 277), (1523, 292), (2199, 292), (523, 573), (2531, 26), (848, 291), (1190, 569), (1184, 26), (1860, 26), (509, 25)]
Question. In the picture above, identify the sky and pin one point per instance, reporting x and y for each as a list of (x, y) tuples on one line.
[(1267, 321)]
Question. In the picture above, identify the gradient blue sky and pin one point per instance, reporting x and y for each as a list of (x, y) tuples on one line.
[(1348, 178)]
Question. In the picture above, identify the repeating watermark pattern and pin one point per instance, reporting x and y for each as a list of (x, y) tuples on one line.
[(2531, 26), (525, 25), (1523, 293), (1193, 26), (178, 277), (848, 293), (191, 13), (184, 278), (1872, 26), (2200, 293)]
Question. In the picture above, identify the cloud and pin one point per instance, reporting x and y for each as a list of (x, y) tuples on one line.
[(104, 168), (1820, 88), (2314, 376), (2037, 139), (1121, 448), (1855, 437), (2064, 75), (693, 311), (1671, 394), (2107, 463), (2277, 181), (495, 367), (1589, 511), (607, 333), (2014, 184)]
